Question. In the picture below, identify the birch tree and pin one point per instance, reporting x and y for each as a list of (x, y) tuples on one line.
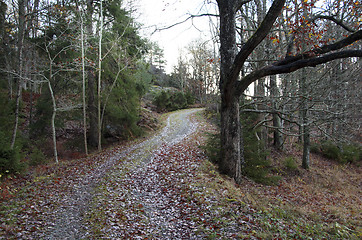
[(20, 44)]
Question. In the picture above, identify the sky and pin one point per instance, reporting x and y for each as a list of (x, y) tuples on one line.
[(154, 14)]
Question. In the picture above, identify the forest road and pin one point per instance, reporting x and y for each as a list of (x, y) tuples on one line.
[(137, 160)]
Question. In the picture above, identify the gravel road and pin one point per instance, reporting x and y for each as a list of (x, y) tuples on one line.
[(138, 159)]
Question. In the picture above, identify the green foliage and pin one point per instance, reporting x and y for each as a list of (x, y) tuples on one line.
[(315, 148), (161, 100), (330, 150), (171, 101), (37, 157), (290, 163), (190, 98), (178, 101), (43, 114), (345, 153), (257, 165), (6, 114), (10, 161), (122, 110), (212, 147), (120, 26), (9, 158), (351, 153)]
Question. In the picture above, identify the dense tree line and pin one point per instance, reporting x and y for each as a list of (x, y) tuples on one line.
[(68, 67), (298, 29), (296, 64)]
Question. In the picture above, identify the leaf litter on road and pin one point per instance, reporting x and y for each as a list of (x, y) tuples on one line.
[(160, 188), (162, 198)]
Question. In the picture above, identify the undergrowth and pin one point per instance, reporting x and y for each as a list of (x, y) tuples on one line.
[(342, 153)]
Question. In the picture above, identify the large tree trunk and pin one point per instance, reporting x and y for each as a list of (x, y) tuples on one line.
[(304, 106), (232, 152), (304, 120), (231, 155)]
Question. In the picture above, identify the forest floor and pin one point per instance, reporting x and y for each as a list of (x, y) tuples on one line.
[(163, 187)]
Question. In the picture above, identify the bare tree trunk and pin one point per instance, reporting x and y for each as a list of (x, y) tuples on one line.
[(92, 109), (304, 107), (306, 143), (304, 120), (277, 123), (17, 108), (83, 83), (21, 29), (10, 78), (99, 78), (232, 158), (232, 146), (54, 109), (53, 121)]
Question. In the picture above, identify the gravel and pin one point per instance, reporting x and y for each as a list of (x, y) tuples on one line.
[(68, 219)]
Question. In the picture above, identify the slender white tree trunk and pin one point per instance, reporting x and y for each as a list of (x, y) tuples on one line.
[(53, 121), (83, 84), (99, 77), (21, 29)]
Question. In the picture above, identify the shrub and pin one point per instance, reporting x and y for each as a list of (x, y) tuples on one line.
[(190, 99), (37, 157), (43, 114), (162, 100), (9, 158), (315, 148), (177, 101), (346, 153), (166, 100), (257, 165), (10, 161), (122, 110), (212, 147), (290, 163), (330, 150), (351, 153)]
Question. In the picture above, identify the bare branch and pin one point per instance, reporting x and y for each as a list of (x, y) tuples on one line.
[(257, 37), (325, 49), (240, 3), (185, 20), (333, 19), (293, 66)]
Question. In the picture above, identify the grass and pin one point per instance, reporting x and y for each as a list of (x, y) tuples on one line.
[(278, 215), (323, 202)]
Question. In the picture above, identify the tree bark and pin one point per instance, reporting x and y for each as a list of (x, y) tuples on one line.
[(232, 155), (232, 146), (99, 78), (232, 64), (21, 31), (277, 122), (304, 126), (83, 82), (304, 104), (53, 117), (92, 109)]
